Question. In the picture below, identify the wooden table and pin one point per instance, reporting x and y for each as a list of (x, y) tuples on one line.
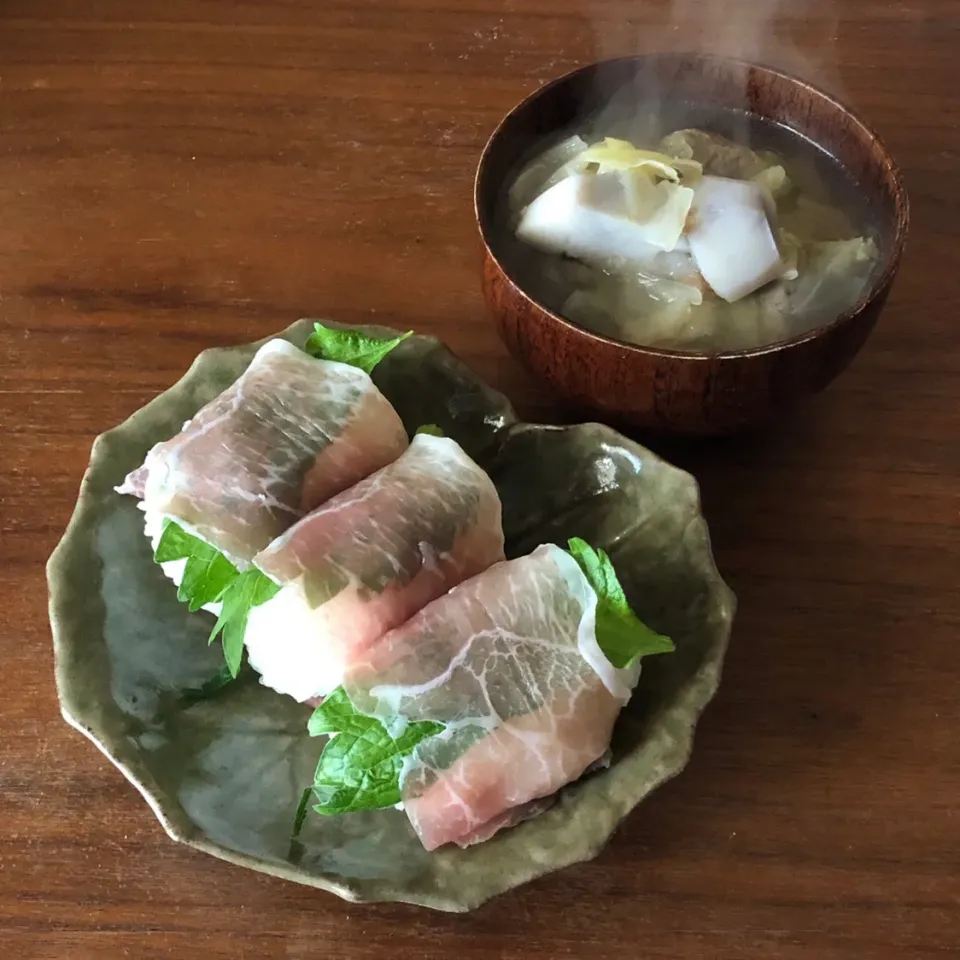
[(183, 174)]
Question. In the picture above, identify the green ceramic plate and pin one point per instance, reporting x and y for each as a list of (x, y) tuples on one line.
[(225, 774)]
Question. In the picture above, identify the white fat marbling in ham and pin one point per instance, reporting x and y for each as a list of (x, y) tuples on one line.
[(289, 434), (368, 560), (509, 661)]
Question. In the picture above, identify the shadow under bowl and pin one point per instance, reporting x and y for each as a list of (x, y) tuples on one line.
[(672, 391)]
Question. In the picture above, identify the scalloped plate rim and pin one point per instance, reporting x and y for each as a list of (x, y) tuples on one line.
[(179, 829)]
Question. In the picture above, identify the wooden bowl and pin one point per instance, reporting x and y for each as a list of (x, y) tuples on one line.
[(671, 391)]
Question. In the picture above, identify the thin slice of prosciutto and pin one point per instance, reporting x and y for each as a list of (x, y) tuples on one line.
[(369, 559), (289, 434), (509, 661)]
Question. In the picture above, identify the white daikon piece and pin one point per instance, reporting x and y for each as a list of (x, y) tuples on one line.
[(731, 238), (620, 216)]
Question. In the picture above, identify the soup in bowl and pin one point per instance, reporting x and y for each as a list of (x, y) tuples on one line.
[(686, 243)]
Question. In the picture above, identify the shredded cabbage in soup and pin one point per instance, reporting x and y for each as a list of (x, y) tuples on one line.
[(697, 242)]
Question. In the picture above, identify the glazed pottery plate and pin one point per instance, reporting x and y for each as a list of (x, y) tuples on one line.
[(225, 773)]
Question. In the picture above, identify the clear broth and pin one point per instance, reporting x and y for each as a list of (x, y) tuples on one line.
[(816, 175)]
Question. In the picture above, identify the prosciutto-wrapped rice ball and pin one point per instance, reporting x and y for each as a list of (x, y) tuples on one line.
[(369, 559), (510, 663), (289, 434)]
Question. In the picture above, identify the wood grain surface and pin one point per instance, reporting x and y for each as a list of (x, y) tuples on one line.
[(183, 174)]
